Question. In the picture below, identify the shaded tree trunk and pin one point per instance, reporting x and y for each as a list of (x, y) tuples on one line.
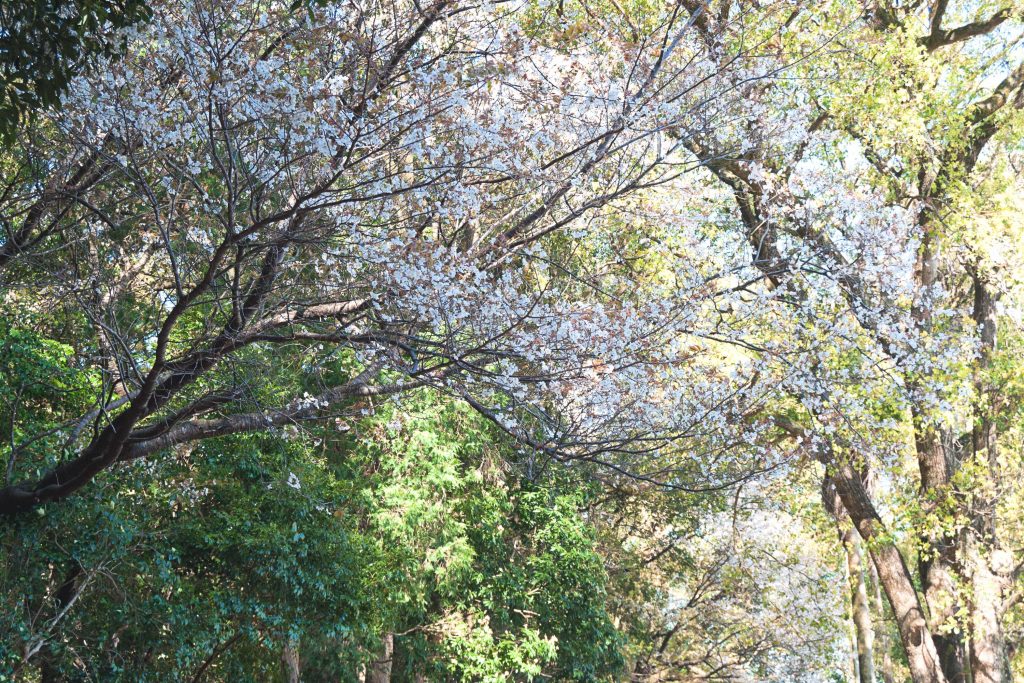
[(863, 628), (883, 632), (937, 569), (380, 669), (922, 656), (290, 662)]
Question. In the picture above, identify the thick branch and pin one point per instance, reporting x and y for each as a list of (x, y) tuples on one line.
[(940, 37), (1000, 96), (301, 410)]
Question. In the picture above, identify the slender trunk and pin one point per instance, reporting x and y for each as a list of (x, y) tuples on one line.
[(380, 669), (863, 628), (986, 401), (988, 645), (883, 632), (854, 673), (217, 652), (290, 662)]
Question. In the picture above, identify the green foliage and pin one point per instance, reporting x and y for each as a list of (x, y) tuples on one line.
[(40, 387), (410, 522), (497, 576), (46, 43)]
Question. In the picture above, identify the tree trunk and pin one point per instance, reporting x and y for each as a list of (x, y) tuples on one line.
[(937, 569), (922, 656), (290, 661), (883, 633), (380, 668), (988, 647), (863, 629)]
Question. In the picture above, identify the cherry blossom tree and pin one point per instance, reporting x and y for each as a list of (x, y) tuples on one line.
[(390, 194)]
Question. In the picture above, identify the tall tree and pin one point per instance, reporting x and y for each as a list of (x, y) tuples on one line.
[(932, 117)]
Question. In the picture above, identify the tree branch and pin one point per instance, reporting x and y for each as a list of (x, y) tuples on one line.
[(939, 37), (297, 411)]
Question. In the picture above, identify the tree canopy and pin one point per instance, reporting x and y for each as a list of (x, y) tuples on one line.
[(589, 340)]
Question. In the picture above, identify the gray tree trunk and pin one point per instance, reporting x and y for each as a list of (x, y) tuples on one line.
[(290, 662), (888, 676), (863, 628), (380, 669)]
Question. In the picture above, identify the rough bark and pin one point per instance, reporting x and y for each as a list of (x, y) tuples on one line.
[(922, 656)]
